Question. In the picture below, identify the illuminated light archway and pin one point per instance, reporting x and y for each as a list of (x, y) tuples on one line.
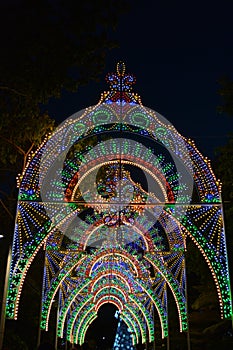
[(148, 292), (108, 296), (83, 321), (56, 210), (78, 290), (118, 281), (101, 276)]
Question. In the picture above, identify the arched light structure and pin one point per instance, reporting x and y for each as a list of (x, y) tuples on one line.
[(112, 195)]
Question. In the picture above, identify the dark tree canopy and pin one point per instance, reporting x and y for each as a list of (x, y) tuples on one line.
[(224, 170), (226, 92), (44, 41), (223, 167), (46, 46)]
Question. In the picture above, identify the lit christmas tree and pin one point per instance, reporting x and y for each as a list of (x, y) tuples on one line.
[(123, 339)]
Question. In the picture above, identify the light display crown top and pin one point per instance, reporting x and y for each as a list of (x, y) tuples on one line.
[(120, 87)]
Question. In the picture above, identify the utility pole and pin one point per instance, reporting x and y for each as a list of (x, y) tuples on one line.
[(186, 297), (41, 302), (154, 326), (3, 310), (57, 319)]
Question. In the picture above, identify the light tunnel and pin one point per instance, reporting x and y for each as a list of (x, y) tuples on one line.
[(52, 210)]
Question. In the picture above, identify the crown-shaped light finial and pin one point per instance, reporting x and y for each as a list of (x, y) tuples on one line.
[(120, 87)]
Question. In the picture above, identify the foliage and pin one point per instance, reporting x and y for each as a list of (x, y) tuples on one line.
[(201, 290), (14, 342), (223, 168), (224, 155), (46, 39), (49, 46), (226, 92), (19, 134)]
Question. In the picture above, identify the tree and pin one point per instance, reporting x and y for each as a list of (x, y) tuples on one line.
[(49, 46), (54, 44), (226, 92), (223, 164), (223, 168)]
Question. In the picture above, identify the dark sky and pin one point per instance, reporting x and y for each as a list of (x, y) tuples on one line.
[(177, 50)]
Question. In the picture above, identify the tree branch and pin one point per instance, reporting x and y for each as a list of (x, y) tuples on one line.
[(26, 155), (7, 210), (12, 90), (3, 170), (13, 144), (31, 147)]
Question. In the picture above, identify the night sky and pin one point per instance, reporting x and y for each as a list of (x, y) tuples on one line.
[(178, 50)]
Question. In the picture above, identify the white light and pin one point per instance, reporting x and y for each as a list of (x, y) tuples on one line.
[(1, 236)]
